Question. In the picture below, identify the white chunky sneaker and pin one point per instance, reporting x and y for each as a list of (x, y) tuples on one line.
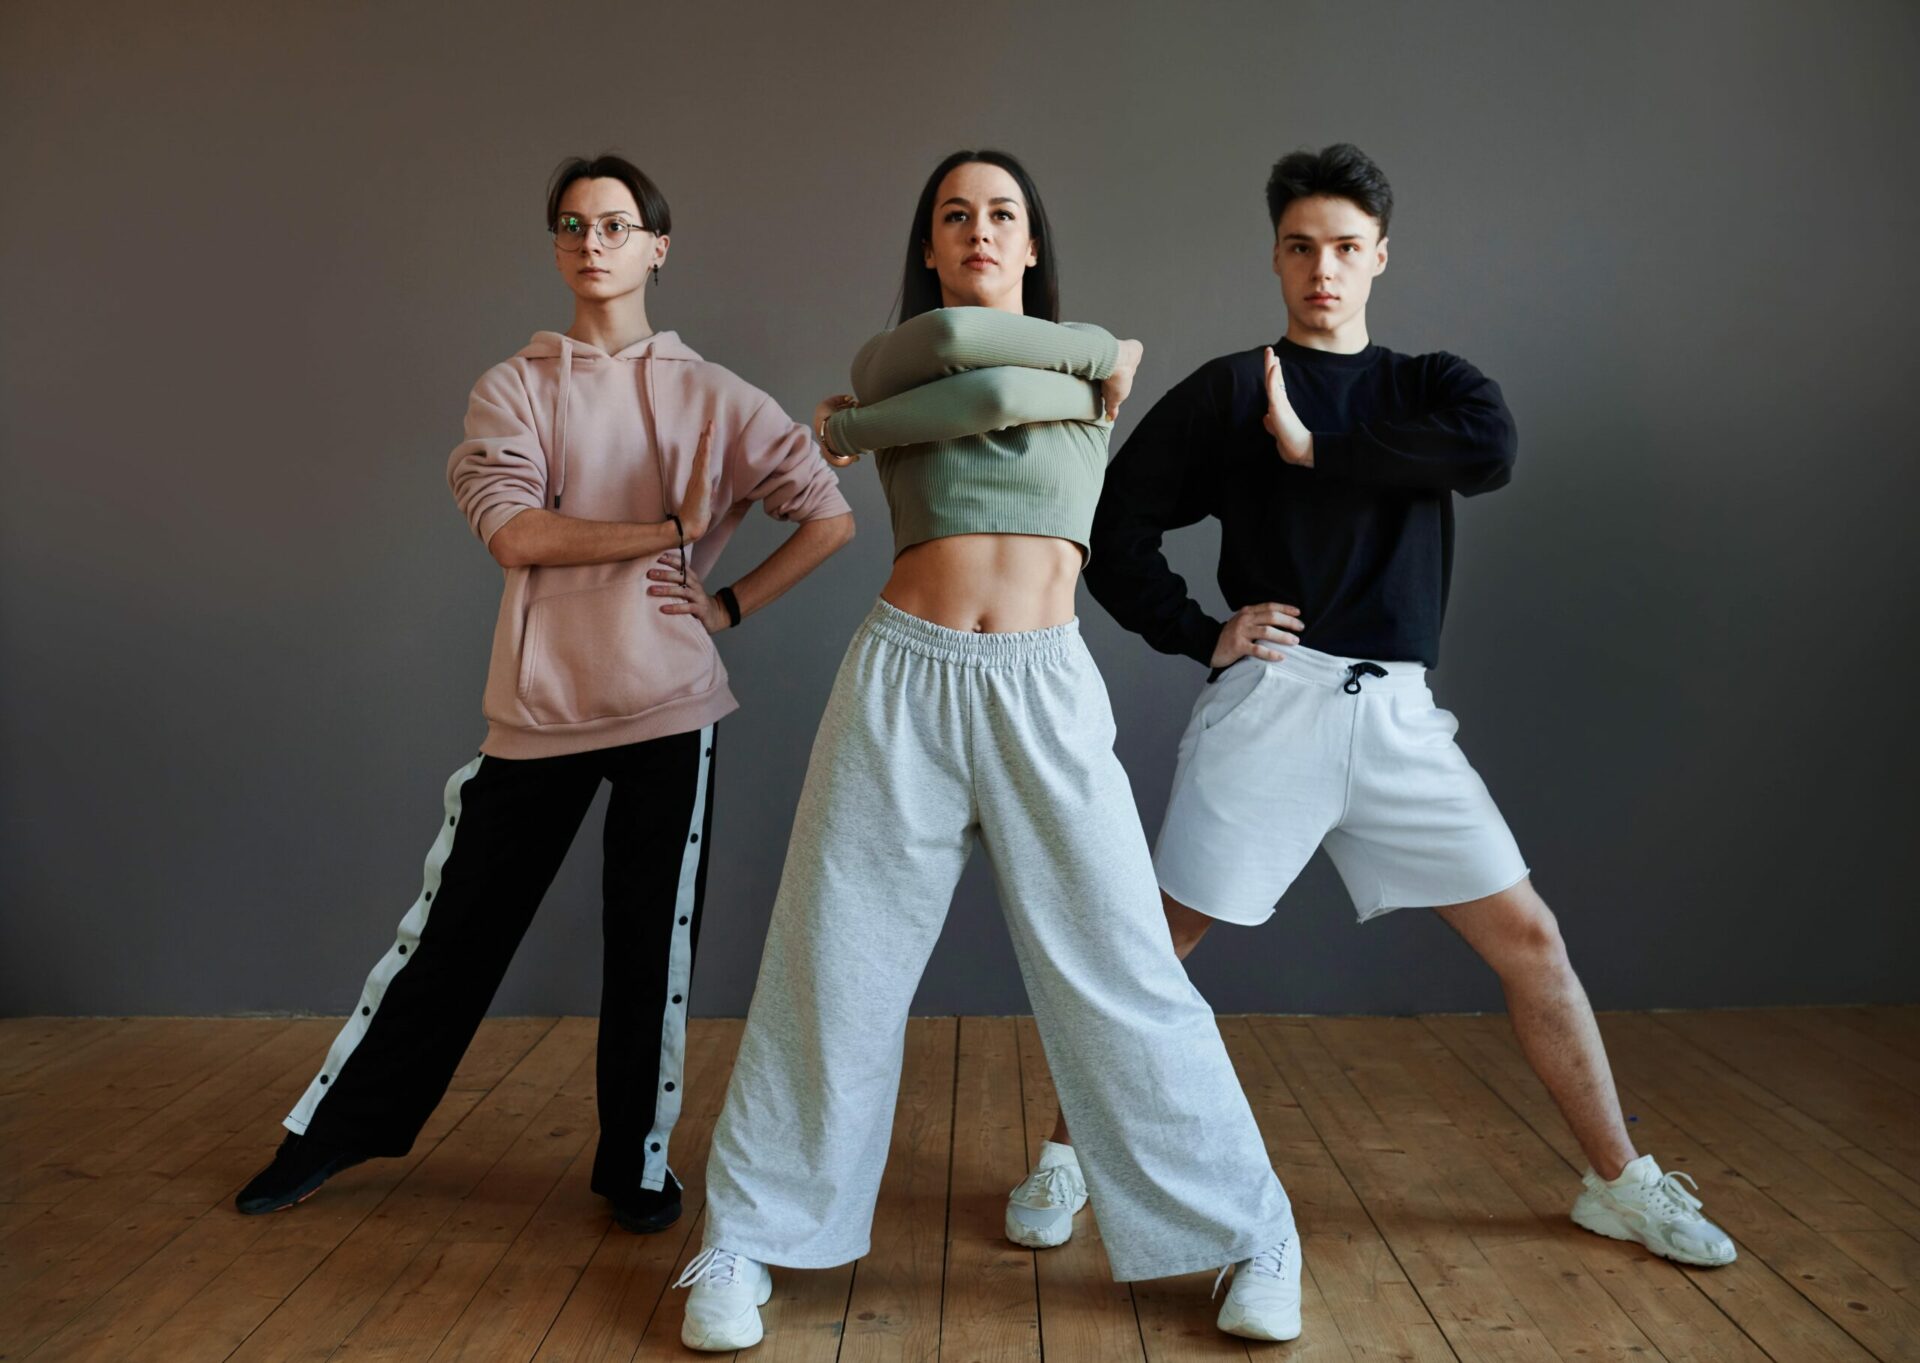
[(1040, 1211), (723, 1310), (1646, 1205), (1264, 1301)]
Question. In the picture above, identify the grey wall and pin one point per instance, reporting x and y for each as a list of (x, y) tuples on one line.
[(253, 261)]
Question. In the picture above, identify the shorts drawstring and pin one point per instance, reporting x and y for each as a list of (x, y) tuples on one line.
[(1355, 671)]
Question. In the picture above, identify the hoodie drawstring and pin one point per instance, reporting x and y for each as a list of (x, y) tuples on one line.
[(559, 478), (660, 455)]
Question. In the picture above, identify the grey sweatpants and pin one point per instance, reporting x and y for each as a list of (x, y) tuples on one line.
[(931, 738)]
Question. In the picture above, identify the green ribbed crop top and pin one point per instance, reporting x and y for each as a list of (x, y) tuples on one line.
[(982, 422)]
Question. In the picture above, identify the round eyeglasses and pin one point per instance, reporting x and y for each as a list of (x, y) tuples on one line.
[(570, 231)]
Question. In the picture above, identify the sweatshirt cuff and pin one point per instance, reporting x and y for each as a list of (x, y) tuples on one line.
[(1333, 453), (493, 518), (1199, 637)]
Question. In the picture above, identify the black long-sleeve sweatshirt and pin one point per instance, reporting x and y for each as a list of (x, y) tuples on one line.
[(1362, 542)]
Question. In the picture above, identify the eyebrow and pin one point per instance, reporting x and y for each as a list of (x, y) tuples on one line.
[(1302, 236), (964, 204)]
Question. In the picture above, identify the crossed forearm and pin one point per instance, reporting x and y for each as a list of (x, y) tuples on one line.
[(538, 538)]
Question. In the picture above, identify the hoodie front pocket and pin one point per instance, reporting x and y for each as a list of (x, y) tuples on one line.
[(607, 652)]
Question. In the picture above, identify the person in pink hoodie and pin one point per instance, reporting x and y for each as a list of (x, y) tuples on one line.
[(604, 467)]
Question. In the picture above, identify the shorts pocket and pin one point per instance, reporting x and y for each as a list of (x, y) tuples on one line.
[(1231, 691)]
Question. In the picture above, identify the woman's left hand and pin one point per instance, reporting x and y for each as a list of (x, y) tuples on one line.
[(1117, 385), (823, 412), (685, 598)]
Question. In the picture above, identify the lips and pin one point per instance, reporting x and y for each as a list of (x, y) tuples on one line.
[(979, 262)]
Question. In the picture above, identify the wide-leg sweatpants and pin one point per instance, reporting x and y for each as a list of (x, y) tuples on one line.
[(933, 737), (505, 829)]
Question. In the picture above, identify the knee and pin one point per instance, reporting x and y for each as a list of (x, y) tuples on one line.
[(1528, 942)]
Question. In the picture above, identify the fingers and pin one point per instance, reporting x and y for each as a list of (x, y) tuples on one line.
[(1274, 613), (1276, 386), (673, 576)]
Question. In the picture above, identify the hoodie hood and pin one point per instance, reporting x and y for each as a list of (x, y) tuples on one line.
[(662, 345)]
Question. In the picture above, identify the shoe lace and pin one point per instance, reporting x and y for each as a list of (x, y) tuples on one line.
[(1055, 1182), (1675, 1198), (1266, 1264), (721, 1267)]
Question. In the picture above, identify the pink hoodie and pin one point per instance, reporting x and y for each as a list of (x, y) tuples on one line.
[(582, 656)]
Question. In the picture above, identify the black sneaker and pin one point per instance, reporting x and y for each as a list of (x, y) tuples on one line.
[(299, 1167), (645, 1210)]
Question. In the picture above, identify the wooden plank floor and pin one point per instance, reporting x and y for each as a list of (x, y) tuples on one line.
[(1430, 1174)]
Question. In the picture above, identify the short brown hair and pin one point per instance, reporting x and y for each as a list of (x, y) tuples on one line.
[(654, 214)]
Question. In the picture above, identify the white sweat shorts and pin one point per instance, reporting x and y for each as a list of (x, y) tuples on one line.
[(1281, 757)]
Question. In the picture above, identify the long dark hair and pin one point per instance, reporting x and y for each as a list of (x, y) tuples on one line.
[(1039, 287)]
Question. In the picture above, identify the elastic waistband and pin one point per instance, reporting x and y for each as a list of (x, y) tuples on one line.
[(1327, 669), (966, 647)]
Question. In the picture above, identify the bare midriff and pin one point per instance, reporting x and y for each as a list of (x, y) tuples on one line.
[(987, 584)]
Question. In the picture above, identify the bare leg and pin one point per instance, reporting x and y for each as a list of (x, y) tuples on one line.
[(1516, 934), (1188, 926)]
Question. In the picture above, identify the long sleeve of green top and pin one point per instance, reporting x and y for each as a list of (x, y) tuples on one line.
[(948, 341), (982, 422)]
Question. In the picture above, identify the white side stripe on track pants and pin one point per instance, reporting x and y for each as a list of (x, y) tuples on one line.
[(673, 1027), (391, 964)]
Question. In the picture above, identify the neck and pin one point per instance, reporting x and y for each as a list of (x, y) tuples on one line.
[(1007, 302), (1349, 338), (612, 324)]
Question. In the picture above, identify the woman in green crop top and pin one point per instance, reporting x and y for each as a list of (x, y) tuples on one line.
[(967, 709)]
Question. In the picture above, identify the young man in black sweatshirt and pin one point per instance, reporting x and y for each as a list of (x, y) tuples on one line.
[(1332, 464)]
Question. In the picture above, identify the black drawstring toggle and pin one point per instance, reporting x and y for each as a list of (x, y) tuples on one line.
[(1355, 671)]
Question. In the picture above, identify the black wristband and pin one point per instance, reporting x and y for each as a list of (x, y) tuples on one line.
[(680, 546), (726, 598)]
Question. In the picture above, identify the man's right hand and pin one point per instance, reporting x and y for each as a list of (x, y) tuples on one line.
[(1258, 632)]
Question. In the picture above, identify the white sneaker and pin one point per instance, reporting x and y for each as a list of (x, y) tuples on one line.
[(723, 1310), (1040, 1211), (1645, 1205), (1264, 1301)]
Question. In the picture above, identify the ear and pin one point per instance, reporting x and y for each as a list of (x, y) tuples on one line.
[(1033, 252), (660, 245), (1380, 258), (1276, 250), (926, 254)]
